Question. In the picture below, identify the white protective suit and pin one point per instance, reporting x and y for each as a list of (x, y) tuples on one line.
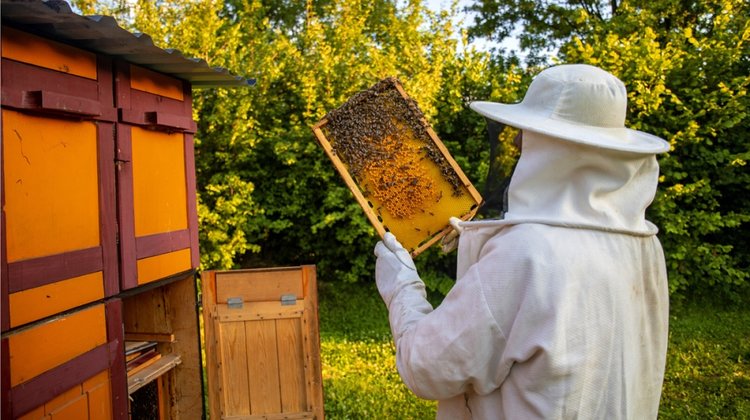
[(560, 309)]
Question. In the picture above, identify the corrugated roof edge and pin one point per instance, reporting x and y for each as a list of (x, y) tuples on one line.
[(102, 34)]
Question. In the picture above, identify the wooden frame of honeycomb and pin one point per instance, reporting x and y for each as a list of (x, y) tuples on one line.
[(399, 171)]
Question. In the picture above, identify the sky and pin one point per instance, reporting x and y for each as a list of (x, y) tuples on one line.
[(466, 19)]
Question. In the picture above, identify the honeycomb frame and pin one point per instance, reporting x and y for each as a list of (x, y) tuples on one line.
[(399, 171)]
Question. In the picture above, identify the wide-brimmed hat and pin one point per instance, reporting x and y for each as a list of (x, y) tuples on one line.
[(579, 103)]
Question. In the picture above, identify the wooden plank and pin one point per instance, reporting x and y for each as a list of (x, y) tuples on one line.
[(24, 47), (100, 401), (51, 383), (163, 399), (281, 353), (162, 366), (162, 266), (35, 414), (263, 367), (211, 345), (283, 416), (313, 374), (108, 204), (40, 302), (291, 365), (181, 307), (254, 311), (74, 334), (35, 272), (156, 83), (146, 336), (117, 376), (50, 161), (161, 243), (145, 312), (125, 217), (64, 398), (77, 409), (234, 369), (158, 206), (258, 285), (192, 200)]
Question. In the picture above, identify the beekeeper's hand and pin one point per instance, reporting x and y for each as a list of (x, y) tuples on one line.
[(450, 241), (394, 268)]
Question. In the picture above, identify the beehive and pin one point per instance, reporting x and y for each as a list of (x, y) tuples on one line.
[(398, 169)]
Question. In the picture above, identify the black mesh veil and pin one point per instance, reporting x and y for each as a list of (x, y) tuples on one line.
[(495, 192)]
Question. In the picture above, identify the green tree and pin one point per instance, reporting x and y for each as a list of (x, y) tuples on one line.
[(268, 195), (686, 66)]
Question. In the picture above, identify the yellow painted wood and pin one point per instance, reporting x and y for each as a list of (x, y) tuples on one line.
[(234, 371), (159, 183), (63, 399), (51, 185), (263, 367), (291, 365), (26, 48), (35, 414), (55, 342), (34, 304), (164, 265), (254, 286), (75, 410), (100, 400), (95, 381), (157, 83), (253, 311)]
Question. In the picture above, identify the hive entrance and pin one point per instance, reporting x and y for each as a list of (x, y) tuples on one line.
[(395, 165)]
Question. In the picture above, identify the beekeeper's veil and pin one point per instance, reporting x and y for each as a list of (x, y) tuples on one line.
[(579, 165)]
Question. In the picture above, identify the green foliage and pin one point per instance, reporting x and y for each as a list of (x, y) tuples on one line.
[(687, 76), (267, 193), (269, 196)]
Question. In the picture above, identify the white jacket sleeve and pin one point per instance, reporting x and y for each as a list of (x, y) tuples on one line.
[(442, 353), (457, 346)]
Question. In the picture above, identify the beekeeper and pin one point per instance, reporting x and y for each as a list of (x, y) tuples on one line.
[(560, 308)]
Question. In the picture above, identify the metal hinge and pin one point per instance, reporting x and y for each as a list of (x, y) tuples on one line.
[(288, 300), (234, 303)]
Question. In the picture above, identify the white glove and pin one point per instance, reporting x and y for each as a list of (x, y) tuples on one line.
[(450, 241), (394, 268)]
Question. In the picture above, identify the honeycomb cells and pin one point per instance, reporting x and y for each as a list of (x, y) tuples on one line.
[(382, 139), (403, 178)]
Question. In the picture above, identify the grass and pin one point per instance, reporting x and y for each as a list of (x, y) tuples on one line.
[(708, 364), (360, 380), (707, 377)]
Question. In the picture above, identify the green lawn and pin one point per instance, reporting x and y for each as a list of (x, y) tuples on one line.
[(708, 363)]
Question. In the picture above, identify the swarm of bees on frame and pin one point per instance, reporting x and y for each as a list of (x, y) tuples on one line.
[(368, 135)]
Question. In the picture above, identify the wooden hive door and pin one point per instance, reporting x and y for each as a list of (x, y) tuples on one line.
[(262, 345)]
